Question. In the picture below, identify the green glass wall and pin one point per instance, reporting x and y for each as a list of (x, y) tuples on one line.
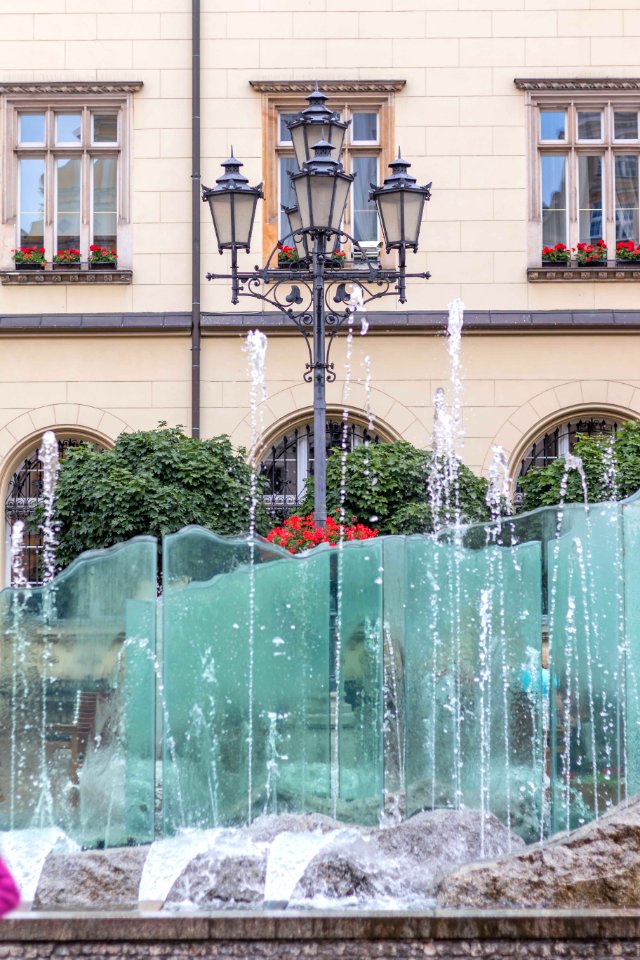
[(77, 699)]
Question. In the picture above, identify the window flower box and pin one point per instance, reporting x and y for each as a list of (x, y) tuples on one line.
[(556, 257), (592, 255), (288, 258), (29, 258), (102, 258), (627, 253), (66, 260)]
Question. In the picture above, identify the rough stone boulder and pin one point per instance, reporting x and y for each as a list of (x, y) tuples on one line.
[(401, 863), (597, 865), (98, 879)]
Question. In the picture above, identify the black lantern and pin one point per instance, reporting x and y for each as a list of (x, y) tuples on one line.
[(316, 123), (322, 188), (295, 227), (400, 203), (233, 206)]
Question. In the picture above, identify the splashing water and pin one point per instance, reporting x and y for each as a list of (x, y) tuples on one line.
[(256, 348), (498, 497), (19, 697), (48, 455), (610, 477)]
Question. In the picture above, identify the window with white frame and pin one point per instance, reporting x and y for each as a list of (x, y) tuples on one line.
[(584, 162), (67, 166), (368, 149)]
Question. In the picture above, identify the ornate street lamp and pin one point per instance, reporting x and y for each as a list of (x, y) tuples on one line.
[(315, 296)]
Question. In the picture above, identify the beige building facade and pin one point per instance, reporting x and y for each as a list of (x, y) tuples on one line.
[(523, 113)]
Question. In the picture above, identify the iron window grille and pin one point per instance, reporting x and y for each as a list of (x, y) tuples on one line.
[(24, 496), (290, 461)]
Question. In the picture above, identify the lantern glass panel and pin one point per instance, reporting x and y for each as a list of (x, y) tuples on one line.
[(321, 199), (244, 205), (295, 224), (335, 136), (389, 207), (413, 204), (302, 192), (341, 194), (220, 206)]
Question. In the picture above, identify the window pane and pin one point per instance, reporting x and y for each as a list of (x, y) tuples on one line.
[(364, 127), (286, 193), (284, 134), (553, 125), (68, 128), (105, 202), (365, 218), (626, 198), (68, 204), (105, 128), (554, 201), (590, 199), (589, 125), (31, 212), (625, 125), (32, 128)]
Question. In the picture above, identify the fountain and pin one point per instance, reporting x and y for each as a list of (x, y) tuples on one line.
[(480, 683)]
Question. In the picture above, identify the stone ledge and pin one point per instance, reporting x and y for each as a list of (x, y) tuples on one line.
[(430, 925), (581, 274), (34, 277)]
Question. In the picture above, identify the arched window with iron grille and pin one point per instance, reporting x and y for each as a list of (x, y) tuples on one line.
[(560, 440), (23, 496), (289, 462)]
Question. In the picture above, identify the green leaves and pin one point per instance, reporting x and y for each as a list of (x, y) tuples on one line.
[(386, 487), (152, 482), (618, 456)]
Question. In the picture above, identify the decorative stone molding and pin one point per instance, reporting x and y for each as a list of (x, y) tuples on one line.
[(335, 86), (22, 277), (82, 87), (581, 274), (578, 83)]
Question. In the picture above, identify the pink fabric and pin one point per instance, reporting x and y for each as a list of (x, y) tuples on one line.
[(9, 895)]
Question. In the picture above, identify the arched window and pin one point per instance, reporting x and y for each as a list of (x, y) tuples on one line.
[(559, 440), (289, 461), (23, 495)]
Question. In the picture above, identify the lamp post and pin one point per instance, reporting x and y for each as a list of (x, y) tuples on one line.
[(315, 295)]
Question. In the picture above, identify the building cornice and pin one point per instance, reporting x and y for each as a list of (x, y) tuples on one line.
[(83, 87), (335, 86), (577, 83)]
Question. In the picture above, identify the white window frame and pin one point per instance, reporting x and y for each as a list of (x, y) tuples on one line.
[(51, 99), (575, 96)]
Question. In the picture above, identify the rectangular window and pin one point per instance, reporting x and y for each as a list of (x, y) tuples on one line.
[(626, 178), (366, 151), (32, 198), (590, 226), (585, 186), (67, 181), (554, 200)]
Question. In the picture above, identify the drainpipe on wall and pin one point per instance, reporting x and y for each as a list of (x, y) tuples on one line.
[(196, 205)]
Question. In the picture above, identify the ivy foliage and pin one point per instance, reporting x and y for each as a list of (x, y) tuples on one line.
[(386, 485), (611, 466), (151, 482)]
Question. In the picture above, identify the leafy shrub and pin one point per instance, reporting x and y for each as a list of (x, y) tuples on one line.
[(618, 456), (386, 484), (152, 482)]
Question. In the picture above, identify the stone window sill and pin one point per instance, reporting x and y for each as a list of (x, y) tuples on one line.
[(563, 273), (34, 277)]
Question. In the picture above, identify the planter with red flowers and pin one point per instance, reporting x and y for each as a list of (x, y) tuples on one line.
[(556, 256), (66, 260), (627, 253), (337, 259), (102, 258), (288, 258), (29, 258), (592, 255), (300, 533)]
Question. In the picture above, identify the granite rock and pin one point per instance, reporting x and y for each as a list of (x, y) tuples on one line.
[(597, 865), (97, 879)]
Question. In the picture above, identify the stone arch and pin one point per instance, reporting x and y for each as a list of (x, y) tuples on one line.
[(559, 403)]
